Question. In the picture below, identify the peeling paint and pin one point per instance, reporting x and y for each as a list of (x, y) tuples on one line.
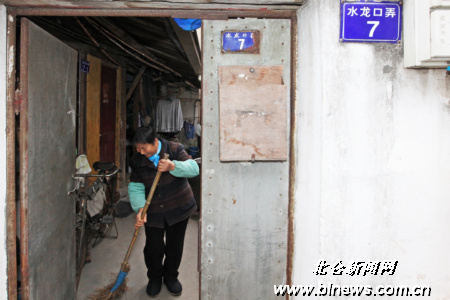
[(11, 61)]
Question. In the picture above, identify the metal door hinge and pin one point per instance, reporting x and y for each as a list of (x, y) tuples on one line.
[(17, 101)]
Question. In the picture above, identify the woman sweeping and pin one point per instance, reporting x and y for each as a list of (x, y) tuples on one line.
[(172, 204)]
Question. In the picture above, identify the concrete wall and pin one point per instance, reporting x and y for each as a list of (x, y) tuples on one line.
[(3, 51), (373, 159)]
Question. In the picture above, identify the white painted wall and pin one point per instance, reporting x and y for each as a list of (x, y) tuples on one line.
[(373, 177), (3, 82)]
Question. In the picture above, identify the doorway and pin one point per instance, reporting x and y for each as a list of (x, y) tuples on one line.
[(208, 224), (108, 114)]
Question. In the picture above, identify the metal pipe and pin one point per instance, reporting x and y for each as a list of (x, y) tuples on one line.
[(195, 106)]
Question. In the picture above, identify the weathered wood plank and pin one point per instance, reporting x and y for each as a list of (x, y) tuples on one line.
[(253, 122), (135, 82), (96, 2), (173, 4), (93, 110), (252, 103), (259, 75)]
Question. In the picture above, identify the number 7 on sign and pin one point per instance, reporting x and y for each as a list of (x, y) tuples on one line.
[(375, 25), (242, 43)]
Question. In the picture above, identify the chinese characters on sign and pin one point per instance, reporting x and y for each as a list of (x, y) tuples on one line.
[(371, 22), (85, 66), (385, 267), (240, 42)]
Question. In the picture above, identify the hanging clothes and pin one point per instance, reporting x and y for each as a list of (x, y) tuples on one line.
[(169, 117), (198, 129), (189, 130)]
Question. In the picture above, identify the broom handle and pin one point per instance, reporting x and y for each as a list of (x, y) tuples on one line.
[(144, 212)]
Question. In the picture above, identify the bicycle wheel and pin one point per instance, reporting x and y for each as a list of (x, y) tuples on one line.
[(103, 223), (81, 236), (108, 218)]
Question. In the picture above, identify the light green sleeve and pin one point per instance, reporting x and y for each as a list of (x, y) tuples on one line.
[(136, 192), (188, 168)]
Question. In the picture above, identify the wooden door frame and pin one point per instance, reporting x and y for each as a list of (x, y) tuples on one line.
[(13, 103)]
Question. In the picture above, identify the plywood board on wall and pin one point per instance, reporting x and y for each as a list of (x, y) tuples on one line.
[(253, 75), (253, 113), (93, 109)]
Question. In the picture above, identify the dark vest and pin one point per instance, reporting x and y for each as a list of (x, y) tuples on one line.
[(173, 199)]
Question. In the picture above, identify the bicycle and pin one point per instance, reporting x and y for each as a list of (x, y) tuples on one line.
[(95, 212)]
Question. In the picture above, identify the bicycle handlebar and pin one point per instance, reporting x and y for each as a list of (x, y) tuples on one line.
[(95, 175)]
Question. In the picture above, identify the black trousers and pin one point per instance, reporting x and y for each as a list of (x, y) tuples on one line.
[(155, 249)]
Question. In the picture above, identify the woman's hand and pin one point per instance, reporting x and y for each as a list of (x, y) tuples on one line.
[(165, 165), (139, 221)]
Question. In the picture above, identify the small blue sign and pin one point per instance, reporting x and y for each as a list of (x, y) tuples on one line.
[(237, 41), (85, 66), (371, 22)]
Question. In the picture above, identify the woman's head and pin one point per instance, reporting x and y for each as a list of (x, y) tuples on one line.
[(145, 141), (144, 135)]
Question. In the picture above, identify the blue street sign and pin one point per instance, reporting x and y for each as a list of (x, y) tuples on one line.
[(371, 22), (85, 66), (237, 41)]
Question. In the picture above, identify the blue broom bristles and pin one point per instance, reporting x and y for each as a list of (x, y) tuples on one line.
[(119, 281)]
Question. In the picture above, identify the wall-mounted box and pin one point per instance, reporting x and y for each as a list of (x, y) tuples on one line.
[(440, 3), (426, 33), (440, 34)]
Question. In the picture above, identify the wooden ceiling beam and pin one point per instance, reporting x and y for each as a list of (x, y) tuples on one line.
[(132, 43), (162, 4)]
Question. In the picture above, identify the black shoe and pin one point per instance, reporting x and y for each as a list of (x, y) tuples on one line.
[(154, 288), (173, 286)]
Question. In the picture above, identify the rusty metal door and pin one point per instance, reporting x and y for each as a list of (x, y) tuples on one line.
[(108, 114), (48, 82), (245, 196)]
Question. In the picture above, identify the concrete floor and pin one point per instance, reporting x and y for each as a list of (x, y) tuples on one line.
[(110, 253)]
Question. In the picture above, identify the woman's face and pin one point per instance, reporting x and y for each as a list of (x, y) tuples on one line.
[(148, 150)]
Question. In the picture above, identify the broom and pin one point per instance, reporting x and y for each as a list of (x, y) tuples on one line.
[(117, 288)]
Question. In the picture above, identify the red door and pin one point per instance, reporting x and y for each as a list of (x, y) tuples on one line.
[(108, 114)]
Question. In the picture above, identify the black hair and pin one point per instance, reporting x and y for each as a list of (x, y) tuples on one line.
[(144, 135)]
